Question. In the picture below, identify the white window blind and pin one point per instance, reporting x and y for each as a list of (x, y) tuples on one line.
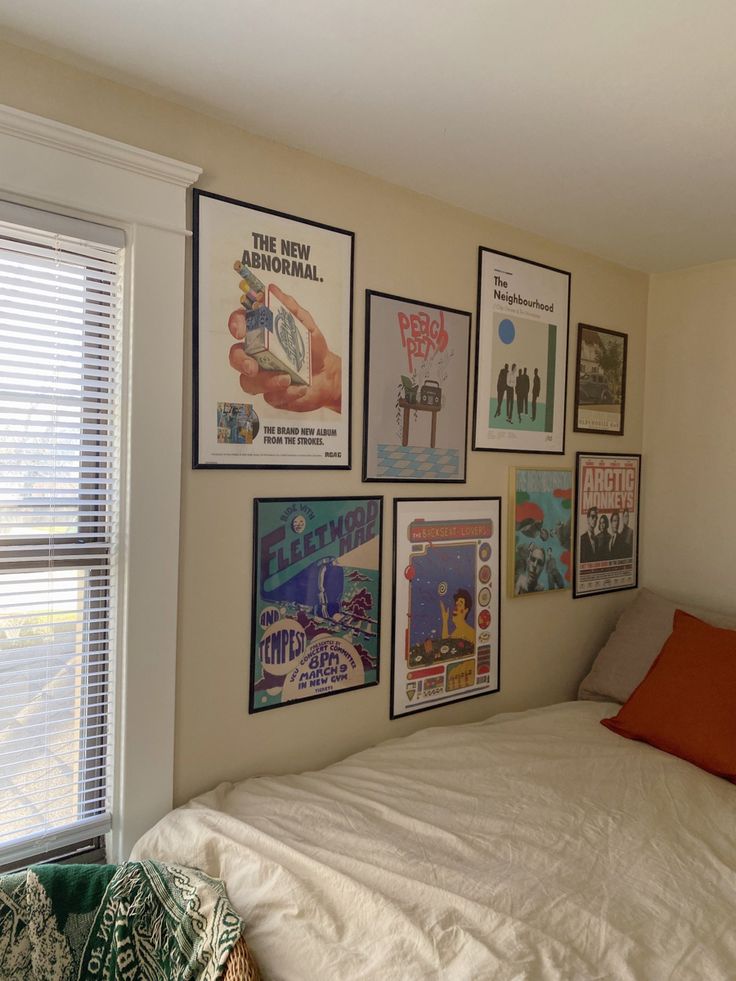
[(60, 389)]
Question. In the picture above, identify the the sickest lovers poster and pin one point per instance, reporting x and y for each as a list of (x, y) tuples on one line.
[(416, 390), (607, 523), (521, 355), (272, 321), (540, 518), (316, 597), (446, 601)]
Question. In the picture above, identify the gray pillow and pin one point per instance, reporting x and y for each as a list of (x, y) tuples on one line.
[(638, 637)]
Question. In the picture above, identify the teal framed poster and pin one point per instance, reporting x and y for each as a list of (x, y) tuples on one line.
[(540, 519), (316, 598)]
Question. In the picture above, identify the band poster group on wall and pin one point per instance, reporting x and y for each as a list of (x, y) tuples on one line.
[(272, 319), (521, 359), (607, 522), (446, 601), (416, 390), (316, 597), (540, 517)]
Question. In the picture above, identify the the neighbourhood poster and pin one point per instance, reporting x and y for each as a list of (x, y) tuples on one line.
[(521, 355), (607, 523), (316, 597), (600, 381), (447, 588), (540, 519), (272, 332), (416, 390)]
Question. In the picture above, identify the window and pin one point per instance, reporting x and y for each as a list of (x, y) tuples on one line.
[(59, 168), (60, 392)]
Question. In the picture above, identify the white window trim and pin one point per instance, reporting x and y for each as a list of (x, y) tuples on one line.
[(49, 165)]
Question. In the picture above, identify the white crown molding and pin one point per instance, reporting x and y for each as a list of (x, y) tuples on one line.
[(59, 136)]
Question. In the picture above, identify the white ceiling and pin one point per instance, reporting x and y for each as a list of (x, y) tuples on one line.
[(605, 124)]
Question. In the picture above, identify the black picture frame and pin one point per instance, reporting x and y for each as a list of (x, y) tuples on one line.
[(610, 391), (493, 606), (298, 529), (610, 490), (535, 296), (337, 457), (425, 464)]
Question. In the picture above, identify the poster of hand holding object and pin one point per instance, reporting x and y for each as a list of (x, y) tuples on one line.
[(272, 338)]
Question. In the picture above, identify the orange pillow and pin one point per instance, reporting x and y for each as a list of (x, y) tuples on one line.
[(686, 704)]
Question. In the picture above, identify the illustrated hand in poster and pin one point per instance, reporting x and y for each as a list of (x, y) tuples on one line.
[(325, 390)]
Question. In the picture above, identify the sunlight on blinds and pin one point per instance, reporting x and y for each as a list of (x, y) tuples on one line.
[(60, 387)]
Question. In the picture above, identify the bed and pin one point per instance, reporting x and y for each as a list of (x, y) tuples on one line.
[(535, 845)]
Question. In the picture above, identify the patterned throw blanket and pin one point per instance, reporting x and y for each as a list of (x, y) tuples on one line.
[(141, 921)]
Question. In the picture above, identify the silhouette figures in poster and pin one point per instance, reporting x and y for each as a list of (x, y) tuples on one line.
[(516, 382)]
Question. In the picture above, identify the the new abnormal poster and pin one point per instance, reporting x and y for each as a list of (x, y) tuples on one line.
[(272, 338)]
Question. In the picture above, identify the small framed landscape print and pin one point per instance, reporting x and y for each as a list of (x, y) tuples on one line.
[(540, 526), (417, 358), (447, 589), (607, 491), (316, 598), (521, 355), (272, 338), (600, 381)]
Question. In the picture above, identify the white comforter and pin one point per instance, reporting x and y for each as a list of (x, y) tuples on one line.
[(532, 846)]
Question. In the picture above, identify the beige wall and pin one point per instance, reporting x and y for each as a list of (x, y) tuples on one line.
[(690, 439), (406, 244)]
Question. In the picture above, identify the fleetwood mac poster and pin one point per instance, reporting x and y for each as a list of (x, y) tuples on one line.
[(316, 598)]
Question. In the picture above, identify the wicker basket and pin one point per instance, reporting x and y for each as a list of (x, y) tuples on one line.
[(241, 965)]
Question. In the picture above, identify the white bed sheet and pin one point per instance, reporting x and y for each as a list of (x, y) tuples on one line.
[(537, 846)]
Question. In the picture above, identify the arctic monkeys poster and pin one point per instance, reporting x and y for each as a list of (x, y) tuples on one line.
[(607, 495)]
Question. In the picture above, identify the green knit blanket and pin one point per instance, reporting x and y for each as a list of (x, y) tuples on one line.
[(141, 921)]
